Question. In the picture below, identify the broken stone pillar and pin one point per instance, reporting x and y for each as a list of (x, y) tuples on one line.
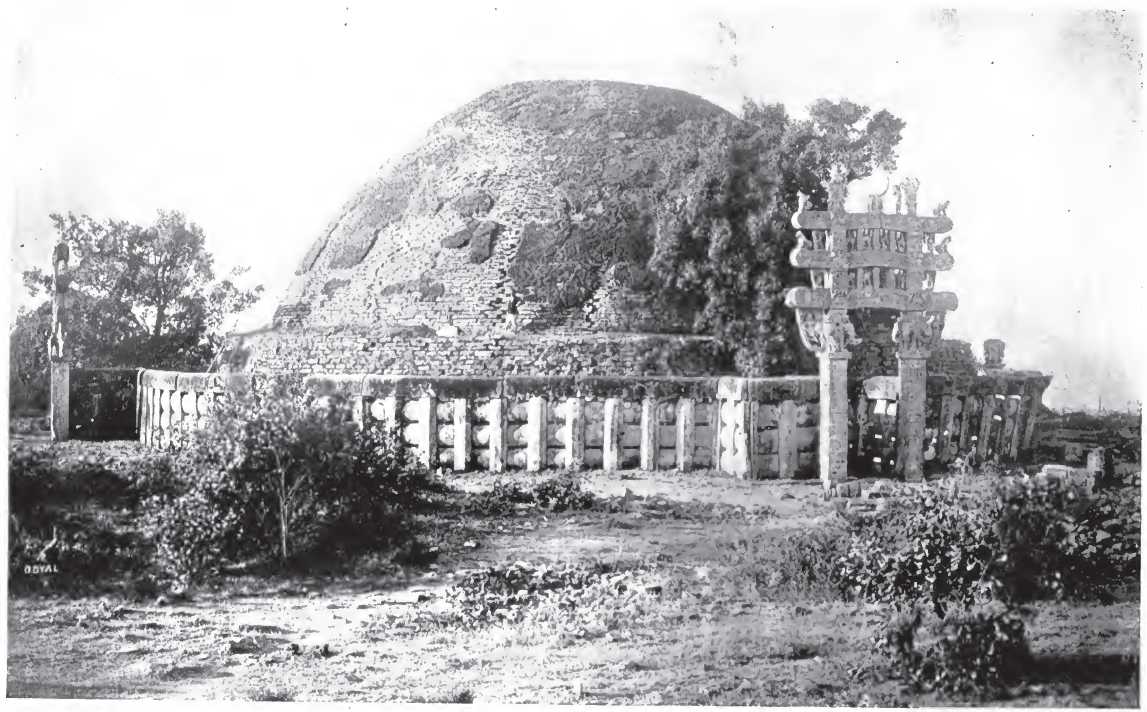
[(993, 354), (915, 335)]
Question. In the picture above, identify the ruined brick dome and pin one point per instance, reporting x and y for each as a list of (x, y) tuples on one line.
[(527, 212)]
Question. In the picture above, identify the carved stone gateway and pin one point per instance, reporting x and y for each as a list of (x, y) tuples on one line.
[(870, 260)]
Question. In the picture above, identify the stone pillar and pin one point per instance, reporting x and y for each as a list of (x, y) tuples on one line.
[(461, 434), (385, 411), (649, 426), (832, 423), (535, 434), (829, 333), (59, 385), (59, 375), (575, 433), (916, 333), (786, 428), (611, 435), (684, 434), (428, 429), (733, 442), (497, 416), (910, 417), (987, 413)]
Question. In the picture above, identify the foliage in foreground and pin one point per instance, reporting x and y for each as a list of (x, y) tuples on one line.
[(67, 526), (281, 475), (1029, 540), (975, 653)]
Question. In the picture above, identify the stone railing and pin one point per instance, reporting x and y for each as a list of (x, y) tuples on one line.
[(169, 400), (760, 428)]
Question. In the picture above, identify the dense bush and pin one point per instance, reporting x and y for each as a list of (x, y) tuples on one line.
[(364, 505), (1028, 539), (935, 548), (974, 653), (281, 474)]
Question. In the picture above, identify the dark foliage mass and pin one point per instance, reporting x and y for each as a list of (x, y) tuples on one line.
[(724, 258)]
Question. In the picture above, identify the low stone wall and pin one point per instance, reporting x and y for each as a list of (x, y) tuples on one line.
[(759, 428)]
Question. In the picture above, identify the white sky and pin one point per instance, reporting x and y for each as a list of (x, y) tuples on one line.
[(258, 119)]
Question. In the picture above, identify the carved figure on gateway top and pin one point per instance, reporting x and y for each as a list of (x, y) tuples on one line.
[(884, 240), (918, 299), (901, 241), (826, 332), (837, 188), (809, 324), (941, 210), (876, 200), (917, 333), (841, 334), (866, 238), (909, 187), (942, 247)]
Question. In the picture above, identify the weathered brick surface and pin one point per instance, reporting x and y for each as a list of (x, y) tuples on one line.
[(307, 351), (432, 243)]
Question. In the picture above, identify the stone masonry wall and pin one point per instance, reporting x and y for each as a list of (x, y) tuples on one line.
[(304, 352)]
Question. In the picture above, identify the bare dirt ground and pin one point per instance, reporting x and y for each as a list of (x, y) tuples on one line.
[(357, 638)]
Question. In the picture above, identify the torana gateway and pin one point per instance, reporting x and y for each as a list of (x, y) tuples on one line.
[(484, 294)]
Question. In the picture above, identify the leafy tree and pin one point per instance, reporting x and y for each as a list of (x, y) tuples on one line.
[(727, 258), (139, 295)]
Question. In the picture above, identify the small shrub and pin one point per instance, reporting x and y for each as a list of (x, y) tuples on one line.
[(560, 493)]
